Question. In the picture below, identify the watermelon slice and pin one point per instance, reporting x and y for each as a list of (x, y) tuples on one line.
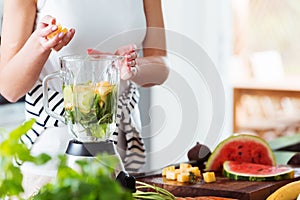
[(256, 172), (241, 148)]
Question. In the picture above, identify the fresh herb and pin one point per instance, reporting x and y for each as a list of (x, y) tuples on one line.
[(192, 178), (93, 181), (147, 191), (12, 150)]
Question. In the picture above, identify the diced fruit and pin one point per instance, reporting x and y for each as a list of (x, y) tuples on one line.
[(183, 177), (185, 173), (172, 175), (209, 177), (195, 170), (183, 166), (169, 168), (59, 30)]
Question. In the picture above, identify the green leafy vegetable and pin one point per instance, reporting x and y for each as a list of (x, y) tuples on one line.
[(11, 150), (93, 181)]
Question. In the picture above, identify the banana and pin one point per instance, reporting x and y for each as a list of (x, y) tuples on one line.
[(289, 191)]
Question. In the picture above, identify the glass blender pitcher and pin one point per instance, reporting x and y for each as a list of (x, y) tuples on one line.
[(90, 90)]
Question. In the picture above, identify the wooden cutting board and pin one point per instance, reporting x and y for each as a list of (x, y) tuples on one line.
[(223, 187)]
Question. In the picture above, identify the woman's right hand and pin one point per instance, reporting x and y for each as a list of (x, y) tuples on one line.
[(24, 51), (48, 25)]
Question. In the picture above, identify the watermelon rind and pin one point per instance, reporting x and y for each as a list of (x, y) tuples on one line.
[(217, 157), (286, 173)]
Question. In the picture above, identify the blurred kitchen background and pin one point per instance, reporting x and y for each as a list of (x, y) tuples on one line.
[(254, 45)]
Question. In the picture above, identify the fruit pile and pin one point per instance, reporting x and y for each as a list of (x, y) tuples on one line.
[(184, 174)]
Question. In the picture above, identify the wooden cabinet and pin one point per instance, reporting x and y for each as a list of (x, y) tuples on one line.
[(268, 109)]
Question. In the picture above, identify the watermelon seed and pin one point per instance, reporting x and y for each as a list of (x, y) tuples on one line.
[(240, 146), (259, 155), (240, 153)]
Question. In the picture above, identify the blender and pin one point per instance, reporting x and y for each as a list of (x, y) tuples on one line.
[(90, 90)]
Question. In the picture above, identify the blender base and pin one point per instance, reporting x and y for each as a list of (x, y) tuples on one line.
[(77, 150), (89, 149)]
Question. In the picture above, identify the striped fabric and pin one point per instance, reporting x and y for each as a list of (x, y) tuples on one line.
[(35, 109), (128, 100), (135, 150)]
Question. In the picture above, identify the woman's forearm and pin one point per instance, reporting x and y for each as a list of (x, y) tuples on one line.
[(151, 70), (21, 72)]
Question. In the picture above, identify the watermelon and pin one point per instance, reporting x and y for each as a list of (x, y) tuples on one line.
[(256, 172), (241, 148)]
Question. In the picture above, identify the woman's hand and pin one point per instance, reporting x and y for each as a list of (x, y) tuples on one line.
[(128, 67), (47, 26), (144, 71)]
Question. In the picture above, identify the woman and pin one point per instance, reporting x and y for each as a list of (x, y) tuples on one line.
[(28, 55)]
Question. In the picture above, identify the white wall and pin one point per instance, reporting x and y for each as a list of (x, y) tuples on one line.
[(208, 24)]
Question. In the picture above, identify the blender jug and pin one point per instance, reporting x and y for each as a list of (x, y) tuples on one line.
[(90, 90)]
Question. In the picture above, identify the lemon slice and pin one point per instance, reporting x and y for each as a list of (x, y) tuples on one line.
[(68, 97), (85, 97)]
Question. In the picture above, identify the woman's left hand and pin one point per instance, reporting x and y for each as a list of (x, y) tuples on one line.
[(128, 67)]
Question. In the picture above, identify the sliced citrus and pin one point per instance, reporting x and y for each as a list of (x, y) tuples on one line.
[(85, 97), (103, 88), (68, 97), (59, 30)]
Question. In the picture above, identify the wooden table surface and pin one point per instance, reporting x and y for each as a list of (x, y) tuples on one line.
[(223, 187)]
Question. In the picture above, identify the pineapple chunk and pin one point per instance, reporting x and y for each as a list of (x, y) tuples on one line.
[(183, 177), (195, 170), (169, 168), (184, 166), (209, 177), (172, 175)]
